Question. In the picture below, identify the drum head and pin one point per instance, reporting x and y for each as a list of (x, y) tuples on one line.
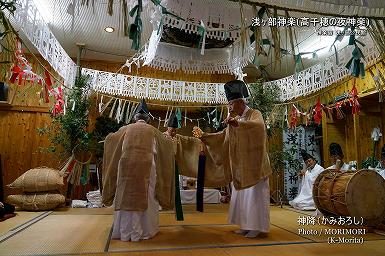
[(365, 196)]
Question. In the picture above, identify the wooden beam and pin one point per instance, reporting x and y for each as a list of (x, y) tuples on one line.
[(24, 109)]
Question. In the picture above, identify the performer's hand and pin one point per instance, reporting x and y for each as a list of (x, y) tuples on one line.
[(301, 173), (197, 132), (231, 121)]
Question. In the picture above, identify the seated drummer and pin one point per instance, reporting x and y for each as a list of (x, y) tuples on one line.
[(304, 200), (336, 156), (380, 168)]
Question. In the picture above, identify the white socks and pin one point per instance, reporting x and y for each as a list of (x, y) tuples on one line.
[(241, 232), (252, 234), (247, 233)]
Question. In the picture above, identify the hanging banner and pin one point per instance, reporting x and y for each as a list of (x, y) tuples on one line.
[(294, 141)]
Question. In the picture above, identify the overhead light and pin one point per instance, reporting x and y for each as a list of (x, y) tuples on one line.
[(109, 29)]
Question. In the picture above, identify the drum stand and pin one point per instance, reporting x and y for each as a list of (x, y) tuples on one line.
[(278, 199)]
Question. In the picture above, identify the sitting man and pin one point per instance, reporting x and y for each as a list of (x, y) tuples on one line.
[(336, 156), (380, 168), (6, 211), (304, 200)]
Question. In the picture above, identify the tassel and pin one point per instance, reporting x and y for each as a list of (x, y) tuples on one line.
[(178, 203), (105, 106), (112, 109), (127, 119), (202, 33), (178, 114), (318, 112), (65, 106), (165, 119), (185, 117), (101, 104), (354, 101), (340, 113), (293, 117), (133, 109), (117, 115), (201, 180), (65, 169)]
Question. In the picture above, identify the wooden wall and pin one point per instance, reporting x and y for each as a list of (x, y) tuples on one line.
[(277, 178), (20, 143), (19, 118)]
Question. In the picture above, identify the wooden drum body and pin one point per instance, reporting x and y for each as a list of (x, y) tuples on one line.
[(356, 194)]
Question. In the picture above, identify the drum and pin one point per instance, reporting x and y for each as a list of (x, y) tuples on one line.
[(356, 194)]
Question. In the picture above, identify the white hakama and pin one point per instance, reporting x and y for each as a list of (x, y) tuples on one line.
[(249, 208), (304, 200), (138, 225)]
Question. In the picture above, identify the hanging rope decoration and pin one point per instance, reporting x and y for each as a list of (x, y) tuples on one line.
[(77, 172), (315, 112), (131, 108), (22, 72), (353, 101)]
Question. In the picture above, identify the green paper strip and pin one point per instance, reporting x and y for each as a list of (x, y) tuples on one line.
[(362, 70)]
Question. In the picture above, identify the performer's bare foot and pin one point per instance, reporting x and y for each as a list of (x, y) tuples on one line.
[(252, 234), (241, 231)]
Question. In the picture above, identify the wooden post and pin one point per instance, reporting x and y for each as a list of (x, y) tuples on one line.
[(1, 183), (80, 49), (325, 141)]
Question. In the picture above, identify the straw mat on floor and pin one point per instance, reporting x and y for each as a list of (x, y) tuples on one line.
[(188, 237), (20, 218), (61, 234)]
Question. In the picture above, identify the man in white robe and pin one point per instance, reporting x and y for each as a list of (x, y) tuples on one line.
[(139, 225), (249, 204), (304, 199), (337, 156), (249, 208), (139, 175), (380, 168)]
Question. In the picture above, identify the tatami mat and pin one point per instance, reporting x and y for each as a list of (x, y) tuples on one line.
[(372, 248), (187, 237), (20, 218), (84, 211), (206, 208), (84, 231), (194, 219), (61, 234)]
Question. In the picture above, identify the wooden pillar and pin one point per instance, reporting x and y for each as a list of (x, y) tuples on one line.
[(357, 133), (325, 142)]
